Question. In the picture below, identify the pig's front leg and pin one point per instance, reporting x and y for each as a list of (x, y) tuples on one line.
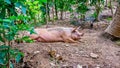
[(68, 40)]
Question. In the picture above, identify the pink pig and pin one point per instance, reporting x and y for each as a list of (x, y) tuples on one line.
[(56, 34)]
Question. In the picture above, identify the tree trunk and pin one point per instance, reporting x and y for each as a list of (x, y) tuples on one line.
[(61, 10), (47, 9), (47, 13), (97, 9), (111, 9), (56, 12), (106, 3), (61, 14), (114, 27)]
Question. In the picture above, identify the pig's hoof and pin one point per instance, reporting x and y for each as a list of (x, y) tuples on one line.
[(81, 41)]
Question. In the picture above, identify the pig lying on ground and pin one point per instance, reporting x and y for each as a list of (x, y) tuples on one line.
[(56, 34)]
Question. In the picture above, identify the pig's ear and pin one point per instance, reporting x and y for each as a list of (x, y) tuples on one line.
[(78, 27), (75, 29)]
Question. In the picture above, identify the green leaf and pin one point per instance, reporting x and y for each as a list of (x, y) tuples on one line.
[(7, 20), (1, 20), (18, 57), (3, 47), (17, 4), (13, 17), (12, 53), (8, 1), (82, 8), (24, 9), (5, 25), (1, 39), (10, 36), (94, 14), (32, 30), (35, 2), (2, 61), (3, 54), (2, 14), (44, 1), (27, 39)]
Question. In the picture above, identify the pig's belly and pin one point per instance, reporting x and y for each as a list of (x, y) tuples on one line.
[(50, 38)]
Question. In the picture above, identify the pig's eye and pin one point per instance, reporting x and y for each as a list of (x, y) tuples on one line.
[(73, 31)]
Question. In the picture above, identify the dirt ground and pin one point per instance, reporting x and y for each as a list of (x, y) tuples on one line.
[(94, 51)]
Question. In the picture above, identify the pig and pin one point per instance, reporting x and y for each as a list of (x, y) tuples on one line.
[(56, 34)]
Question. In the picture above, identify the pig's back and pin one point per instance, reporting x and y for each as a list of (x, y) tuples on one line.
[(50, 35)]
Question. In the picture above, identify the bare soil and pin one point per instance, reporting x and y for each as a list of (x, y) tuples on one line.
[(72, 55)]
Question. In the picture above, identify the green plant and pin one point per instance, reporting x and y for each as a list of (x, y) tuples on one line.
[(109, 19), (16, 16), (10, 25), (98, 7), (36, 10), (6, 53), (24, 39)]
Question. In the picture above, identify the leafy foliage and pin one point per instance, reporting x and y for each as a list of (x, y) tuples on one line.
[(36, 10), (7, 53), (10, 21), (82, 8), (98, 7), (14, 17)]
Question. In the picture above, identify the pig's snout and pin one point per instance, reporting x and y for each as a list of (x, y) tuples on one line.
[(77, 35), (81, 34)]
